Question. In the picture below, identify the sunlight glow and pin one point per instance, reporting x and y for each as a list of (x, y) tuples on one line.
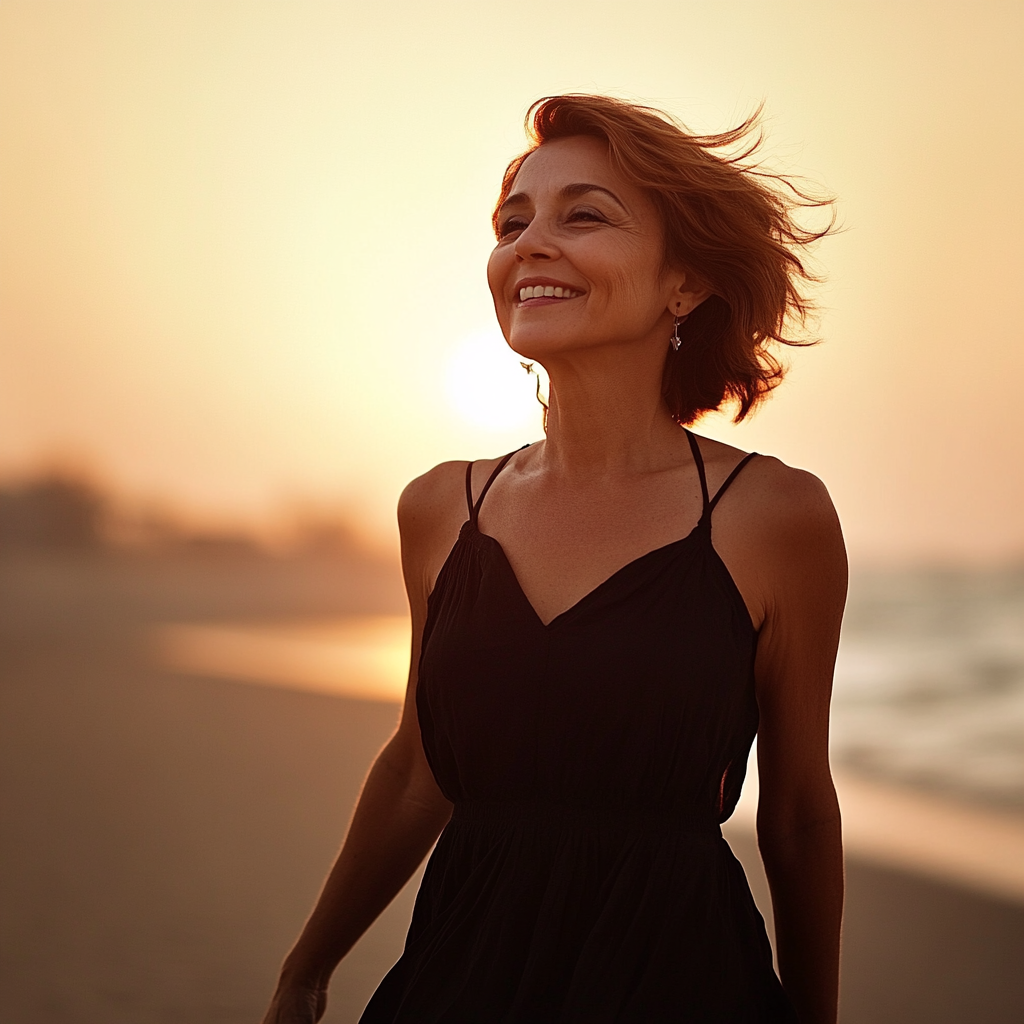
[(487, 385)]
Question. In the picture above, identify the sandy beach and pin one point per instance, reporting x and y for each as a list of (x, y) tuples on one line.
[(165, 832)]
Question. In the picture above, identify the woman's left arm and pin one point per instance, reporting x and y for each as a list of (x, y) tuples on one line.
[(803, 580)]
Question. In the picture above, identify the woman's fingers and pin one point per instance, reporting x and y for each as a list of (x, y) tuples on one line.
[(296, 1006)]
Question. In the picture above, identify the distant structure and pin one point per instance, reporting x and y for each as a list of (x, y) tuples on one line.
[(63, 513), (54, 512)]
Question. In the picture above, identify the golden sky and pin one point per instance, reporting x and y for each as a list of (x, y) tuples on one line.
[(243, 243)]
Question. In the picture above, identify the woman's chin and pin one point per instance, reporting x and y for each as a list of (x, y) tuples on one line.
[(531, 346)]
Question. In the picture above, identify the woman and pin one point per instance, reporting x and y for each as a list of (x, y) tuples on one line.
[(589, 666)]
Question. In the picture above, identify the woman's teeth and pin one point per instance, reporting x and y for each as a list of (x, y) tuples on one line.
[(546, 291)]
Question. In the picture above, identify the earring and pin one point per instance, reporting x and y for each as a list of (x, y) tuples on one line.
[(676, 339)]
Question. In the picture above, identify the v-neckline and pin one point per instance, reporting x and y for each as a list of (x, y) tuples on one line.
[(709, 504), (679, 541)]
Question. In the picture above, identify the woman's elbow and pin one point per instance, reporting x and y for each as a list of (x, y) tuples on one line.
[(789, 826)]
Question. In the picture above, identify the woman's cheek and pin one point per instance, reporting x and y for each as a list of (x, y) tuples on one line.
[(498, 268)]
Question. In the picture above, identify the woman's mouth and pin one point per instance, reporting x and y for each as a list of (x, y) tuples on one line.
[(547, 291)]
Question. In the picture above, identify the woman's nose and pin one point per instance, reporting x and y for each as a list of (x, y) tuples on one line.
[(535, 242)]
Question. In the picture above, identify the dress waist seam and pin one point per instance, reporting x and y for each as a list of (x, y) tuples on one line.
[(576, 816)]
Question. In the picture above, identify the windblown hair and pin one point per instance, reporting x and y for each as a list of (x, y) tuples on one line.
[(728, 223)]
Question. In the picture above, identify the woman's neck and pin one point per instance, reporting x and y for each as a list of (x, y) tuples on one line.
[(607, 416)]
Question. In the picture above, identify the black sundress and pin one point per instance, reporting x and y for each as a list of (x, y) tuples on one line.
[(583, 877)]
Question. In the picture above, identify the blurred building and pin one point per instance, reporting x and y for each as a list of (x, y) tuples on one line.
[(52, 512)]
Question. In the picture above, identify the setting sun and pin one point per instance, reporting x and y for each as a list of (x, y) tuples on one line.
[(488, 386)]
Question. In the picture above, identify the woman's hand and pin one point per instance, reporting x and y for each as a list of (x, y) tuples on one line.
[(296, 1005)]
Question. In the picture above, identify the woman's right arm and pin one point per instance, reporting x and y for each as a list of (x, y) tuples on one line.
[(401, 811)]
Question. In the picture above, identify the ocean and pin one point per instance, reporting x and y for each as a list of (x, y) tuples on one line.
[(929, 687)]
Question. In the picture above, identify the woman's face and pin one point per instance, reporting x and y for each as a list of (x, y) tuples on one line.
[(580, 256)]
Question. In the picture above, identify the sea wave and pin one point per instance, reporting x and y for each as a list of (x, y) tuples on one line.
[(930, 681)]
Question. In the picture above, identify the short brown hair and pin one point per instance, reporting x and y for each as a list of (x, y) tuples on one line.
[(728, 223)]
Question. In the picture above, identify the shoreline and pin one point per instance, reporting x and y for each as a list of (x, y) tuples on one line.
[(892, 825)]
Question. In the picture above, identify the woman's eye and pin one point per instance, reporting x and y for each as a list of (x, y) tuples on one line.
[(585, 215), (510, 226)]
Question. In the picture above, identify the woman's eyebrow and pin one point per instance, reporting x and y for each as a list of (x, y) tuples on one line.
[(581, 188), (572, 191)]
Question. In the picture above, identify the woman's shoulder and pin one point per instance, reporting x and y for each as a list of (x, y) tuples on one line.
[(787, 494), (788, 519), (435, 485), (430, 501), (776, 493), (437, 499), (777, 531), (431, 512)]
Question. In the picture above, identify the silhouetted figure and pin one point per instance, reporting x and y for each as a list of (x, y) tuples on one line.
[(602, 622)]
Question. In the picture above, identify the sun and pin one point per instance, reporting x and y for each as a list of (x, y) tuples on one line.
[(487, 385)]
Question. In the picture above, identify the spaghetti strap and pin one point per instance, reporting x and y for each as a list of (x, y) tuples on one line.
[(474, 509), (699, 461), (469, 488), (728, 481), (710, 503)]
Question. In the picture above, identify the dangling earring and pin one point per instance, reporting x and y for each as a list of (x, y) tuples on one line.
[(676, 339), (528, 367)]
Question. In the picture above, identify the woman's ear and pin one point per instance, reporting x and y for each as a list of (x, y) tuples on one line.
[(687, 295)]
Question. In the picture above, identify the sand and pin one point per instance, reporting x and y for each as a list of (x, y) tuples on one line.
[(164, 834)]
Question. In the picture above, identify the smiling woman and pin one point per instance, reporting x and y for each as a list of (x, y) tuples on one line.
[(589, 669), (732, 231)]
